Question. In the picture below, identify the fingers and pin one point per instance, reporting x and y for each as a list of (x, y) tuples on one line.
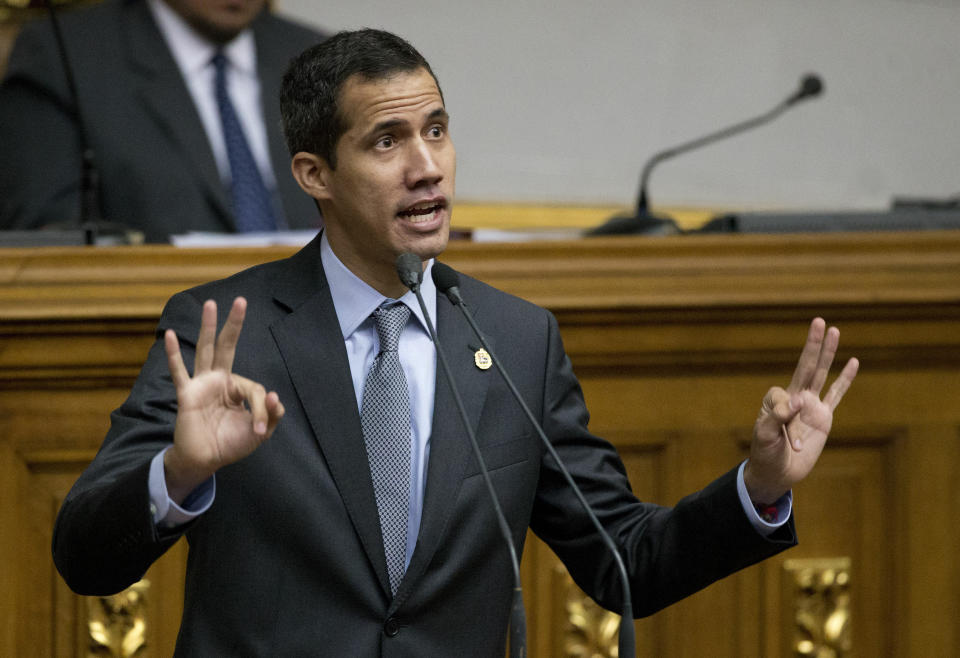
[(213, 351), (841, 385), (206, 339), (828, 351), (779, 408), (178, 371), (275, 411), (265, 408), (810, 356), (227, 340)]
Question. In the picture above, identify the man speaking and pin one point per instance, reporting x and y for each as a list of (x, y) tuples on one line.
[(314, 460)]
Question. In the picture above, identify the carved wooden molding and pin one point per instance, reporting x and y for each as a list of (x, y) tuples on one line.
[(703, 303), (889, 272)]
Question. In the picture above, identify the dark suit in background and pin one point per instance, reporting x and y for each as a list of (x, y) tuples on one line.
[(157, 170), (289, 559)]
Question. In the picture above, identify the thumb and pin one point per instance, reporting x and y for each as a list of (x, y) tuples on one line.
[(778, 409)]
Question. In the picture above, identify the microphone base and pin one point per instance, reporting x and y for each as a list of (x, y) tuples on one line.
[(644, 224), (101, 235), (43, 238)]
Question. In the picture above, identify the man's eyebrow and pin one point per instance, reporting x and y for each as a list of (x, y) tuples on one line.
[(385, 125), (439, 113)]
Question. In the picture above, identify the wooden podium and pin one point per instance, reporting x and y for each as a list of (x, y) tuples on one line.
[(675, 341)]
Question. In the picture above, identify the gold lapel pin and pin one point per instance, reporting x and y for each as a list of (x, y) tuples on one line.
[(482, 359)]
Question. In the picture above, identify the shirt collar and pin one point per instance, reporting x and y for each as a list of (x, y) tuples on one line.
[(193, 52), (354, 300)]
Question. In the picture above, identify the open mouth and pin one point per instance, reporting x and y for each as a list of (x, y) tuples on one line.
[(422, 212)]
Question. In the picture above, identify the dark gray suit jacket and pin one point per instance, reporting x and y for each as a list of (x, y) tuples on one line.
[(289, 559), (157, 170)]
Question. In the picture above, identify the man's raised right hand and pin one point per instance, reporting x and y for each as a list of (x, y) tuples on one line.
[(221, 417)]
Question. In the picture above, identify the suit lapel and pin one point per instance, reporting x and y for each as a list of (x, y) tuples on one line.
[(310, 340), (450, 450), (167, 101), (311, 343)]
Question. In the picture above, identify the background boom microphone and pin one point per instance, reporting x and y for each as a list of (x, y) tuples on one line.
[(448, 282), (410, 270), (90, 213), (642, 221), (92, 227)]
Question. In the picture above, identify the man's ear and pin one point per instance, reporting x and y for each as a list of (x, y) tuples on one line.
[(312, 173)]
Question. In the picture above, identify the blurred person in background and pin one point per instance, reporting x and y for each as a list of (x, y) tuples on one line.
[(178, 100)]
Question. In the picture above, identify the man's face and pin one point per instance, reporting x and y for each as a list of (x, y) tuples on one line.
[(218, 20), (392, 189)]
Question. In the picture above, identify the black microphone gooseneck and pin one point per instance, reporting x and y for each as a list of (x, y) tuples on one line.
[(90, 212), (410, 271), (448, 282), (643, 222)]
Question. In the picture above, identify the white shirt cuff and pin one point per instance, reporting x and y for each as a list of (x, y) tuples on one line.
[(784, 507), (166, 513)]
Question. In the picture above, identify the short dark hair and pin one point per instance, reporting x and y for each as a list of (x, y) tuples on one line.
[(310, 92)]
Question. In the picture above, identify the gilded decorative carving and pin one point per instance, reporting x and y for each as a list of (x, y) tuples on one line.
[(117, 624), (591, 631), (819, 592)]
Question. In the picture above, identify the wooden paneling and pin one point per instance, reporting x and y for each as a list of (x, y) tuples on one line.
[(9, 543), (675, 341)]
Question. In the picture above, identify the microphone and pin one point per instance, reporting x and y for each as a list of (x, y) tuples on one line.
[(410, 270), (93, 228), (90, 213), (448, 282), (643, 221), (810, 86)]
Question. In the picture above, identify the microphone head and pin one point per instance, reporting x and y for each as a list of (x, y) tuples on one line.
[(410, 269), (445, 277), (811, 85)]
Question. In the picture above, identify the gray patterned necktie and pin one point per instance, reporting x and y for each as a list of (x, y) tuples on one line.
[(385, 420)]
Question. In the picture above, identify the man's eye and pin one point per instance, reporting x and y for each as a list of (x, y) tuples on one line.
[(385, 142), (436, 131)]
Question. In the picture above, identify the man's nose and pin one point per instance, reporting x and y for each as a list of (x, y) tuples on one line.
[(424, 167)]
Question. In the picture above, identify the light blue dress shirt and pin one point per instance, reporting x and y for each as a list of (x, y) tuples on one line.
[(353, 302)]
